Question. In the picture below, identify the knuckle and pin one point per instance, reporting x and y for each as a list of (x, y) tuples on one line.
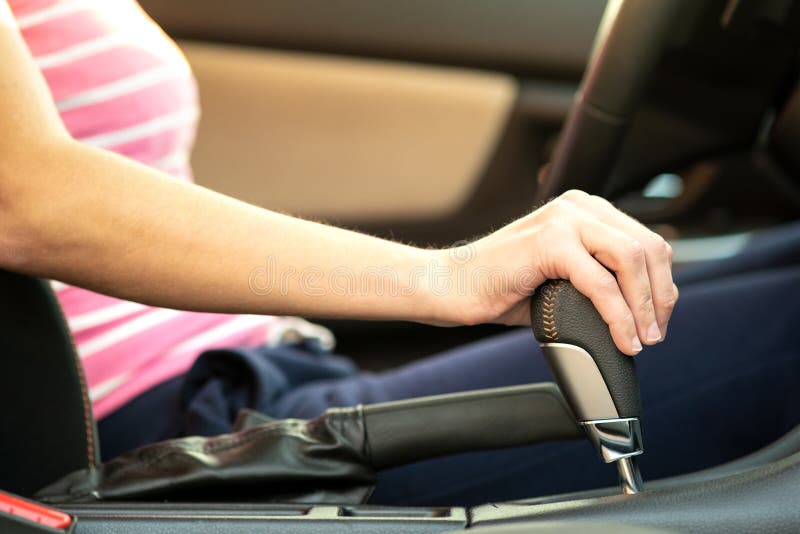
[(668, 304), (600, 201), (646, 302), (675, 295), (625, 319), (553, 208), (565, 208), (606, 283), (670, 299), (658, 245), (575, 195), (633, 251)]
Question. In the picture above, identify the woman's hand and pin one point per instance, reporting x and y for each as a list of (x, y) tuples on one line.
[(624, 268)]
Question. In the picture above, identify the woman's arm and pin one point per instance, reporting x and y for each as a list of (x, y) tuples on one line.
[(100, 221)]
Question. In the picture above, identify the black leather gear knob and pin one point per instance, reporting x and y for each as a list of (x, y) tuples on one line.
[(561, 314)]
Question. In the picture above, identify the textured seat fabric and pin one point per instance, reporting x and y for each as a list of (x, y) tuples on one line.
[(46, 424)]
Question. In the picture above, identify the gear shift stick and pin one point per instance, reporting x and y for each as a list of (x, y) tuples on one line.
[(598, 381)]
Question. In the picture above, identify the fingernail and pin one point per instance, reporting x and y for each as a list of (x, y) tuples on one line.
[(636, 345), (653, 333)]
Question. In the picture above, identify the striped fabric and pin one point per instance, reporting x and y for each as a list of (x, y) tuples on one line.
[(120, 84)]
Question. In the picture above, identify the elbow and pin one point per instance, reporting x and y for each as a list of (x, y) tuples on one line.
[(25, 182), (16, 244), (16, 239)]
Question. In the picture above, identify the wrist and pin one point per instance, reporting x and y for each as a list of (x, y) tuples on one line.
[(445, 291), (423, 289)]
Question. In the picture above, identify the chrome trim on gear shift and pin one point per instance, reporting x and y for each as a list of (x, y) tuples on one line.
[(615, 439), (577, 375), (630, 479)]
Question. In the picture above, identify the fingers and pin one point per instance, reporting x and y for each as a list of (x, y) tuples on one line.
[(657, 257), (658, 254), (675, 294), (626, 257), (597, 283)]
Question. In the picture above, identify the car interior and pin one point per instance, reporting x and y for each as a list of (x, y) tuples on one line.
[(428, 121)]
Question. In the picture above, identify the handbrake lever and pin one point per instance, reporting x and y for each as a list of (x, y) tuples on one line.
[(598, 381)]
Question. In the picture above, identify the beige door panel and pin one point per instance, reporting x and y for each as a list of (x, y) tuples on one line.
[(357, 140)]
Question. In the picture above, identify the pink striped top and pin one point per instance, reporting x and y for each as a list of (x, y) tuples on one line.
[(120, 84)]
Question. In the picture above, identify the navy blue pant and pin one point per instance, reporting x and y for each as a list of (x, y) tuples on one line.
[(725, 382)]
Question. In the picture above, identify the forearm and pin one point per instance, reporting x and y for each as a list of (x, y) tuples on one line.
[(111, 225)]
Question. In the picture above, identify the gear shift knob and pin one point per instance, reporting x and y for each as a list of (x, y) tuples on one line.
[(598, 381)]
